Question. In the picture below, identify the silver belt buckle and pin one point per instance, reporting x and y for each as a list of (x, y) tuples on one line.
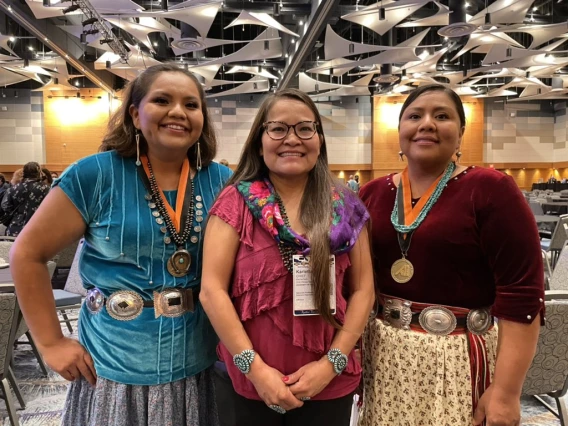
[(94, 301), (124, 305), (479, 321), (437, 320), (173, 302), (397, 313)]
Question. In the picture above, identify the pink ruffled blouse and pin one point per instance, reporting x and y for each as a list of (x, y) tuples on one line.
[(261, 291)]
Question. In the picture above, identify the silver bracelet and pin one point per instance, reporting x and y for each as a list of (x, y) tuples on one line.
[(337, 359), (244, 360)]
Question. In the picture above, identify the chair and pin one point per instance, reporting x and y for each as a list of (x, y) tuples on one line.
[(548, 374), (64, 259), (23, 329), (9, 314), (536, 208), (72, 295), (5, 246), (556, 243), (559, 276)]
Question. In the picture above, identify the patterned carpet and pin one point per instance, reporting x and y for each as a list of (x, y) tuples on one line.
[(45, 396)]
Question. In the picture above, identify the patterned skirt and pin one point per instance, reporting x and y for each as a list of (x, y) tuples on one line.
[(186, 402), (413, 378)]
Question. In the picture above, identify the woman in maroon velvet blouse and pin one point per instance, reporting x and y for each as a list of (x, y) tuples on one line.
[(466, 249)]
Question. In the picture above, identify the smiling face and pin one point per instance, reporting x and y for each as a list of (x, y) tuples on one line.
[(169, 116), (290, 157), (430, 131)]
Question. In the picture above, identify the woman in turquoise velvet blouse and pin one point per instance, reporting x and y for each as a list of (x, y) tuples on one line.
[(145, 345)]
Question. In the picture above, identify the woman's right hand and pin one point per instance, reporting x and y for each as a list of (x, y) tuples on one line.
[(270, 387), (69, 358)]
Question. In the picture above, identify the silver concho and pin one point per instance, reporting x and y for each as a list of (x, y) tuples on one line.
[(198, 198), (172, 302), (397, 313), (437, 320), (94, 301), (148, 197), (156, 213), (124, 305), (199, 205), (479, 321)]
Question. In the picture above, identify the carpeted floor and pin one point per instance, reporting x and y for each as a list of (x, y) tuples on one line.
[(45, 396)]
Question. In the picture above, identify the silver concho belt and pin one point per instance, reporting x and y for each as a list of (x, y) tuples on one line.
[(126, 305), (435, 319)]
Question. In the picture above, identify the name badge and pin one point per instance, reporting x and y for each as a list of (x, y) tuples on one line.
[(303, 294)]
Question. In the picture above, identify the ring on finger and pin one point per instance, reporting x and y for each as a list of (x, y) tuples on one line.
[(305, 398), (277, 408)]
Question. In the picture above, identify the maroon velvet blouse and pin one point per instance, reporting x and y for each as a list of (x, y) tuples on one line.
[(477, 247)]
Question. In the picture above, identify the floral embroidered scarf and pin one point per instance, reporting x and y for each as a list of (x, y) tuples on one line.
[(347, 217)]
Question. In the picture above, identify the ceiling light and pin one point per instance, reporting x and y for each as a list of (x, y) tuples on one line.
[(31, 48), (77, 83), (55, 69), (535, 9), (15, 93), (301, 23), (78, 95), (467, 4), (107, 65), (155, 44), (164, 4), (71, 8), (46, 3), (89, 21), (382, 14), (12, 39), (83, 38), (26, 62), (292, 41)]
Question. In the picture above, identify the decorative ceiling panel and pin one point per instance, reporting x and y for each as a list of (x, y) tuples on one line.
[(308, 84), (252, 70), (504, 12), (255, 50), (440, 18), (486, 39), (369, 16), (263, 19), (254, 85), (199, 17)]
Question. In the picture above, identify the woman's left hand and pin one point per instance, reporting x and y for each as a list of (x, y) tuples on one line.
[(498, 408), (311, 379)]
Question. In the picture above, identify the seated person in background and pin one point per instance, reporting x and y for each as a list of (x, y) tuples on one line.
[(24, 198), (17, 177), (47, 178), (224, 162)]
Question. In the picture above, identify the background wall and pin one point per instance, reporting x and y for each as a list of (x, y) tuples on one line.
[(74, 127), (520, 132), (385, 157), (21, 126)]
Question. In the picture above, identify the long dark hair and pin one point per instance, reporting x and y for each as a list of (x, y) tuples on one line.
[(316, 203), (435, 88), (121, 130)]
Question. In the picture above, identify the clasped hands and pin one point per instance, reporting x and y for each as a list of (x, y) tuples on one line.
[(274, 388)]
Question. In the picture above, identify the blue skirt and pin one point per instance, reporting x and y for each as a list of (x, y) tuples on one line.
[(186, 402)]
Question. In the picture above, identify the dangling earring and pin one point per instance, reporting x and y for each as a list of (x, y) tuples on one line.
[(198, 159), (458, 155), (400, 156), (137, 137)]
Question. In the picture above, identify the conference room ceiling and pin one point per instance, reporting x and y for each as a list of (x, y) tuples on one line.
[(513, 49)]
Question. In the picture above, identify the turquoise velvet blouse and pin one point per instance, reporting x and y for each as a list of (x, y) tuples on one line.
[(124, 250)]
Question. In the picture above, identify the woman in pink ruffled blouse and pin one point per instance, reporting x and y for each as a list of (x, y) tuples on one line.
[(286, 367)]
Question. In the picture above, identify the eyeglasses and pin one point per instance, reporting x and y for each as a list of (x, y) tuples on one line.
[(277, 130)]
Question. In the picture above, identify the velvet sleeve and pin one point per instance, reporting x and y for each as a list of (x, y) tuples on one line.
[(510, 241)]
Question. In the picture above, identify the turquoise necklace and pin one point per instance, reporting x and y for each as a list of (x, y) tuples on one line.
[(402, 228), (402, 270)]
